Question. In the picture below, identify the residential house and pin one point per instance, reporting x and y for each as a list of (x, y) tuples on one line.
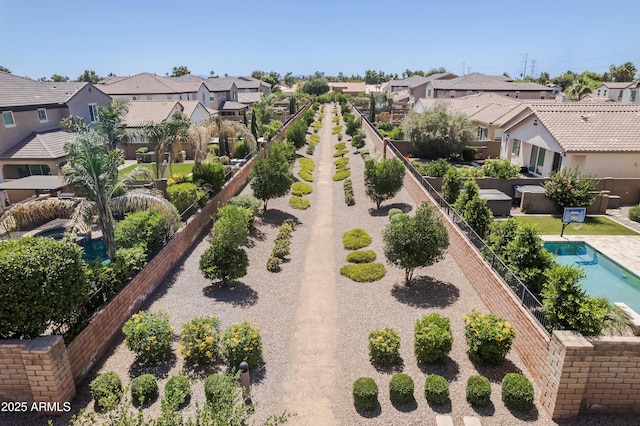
[(479, 83), (31, 142), (611, 90), (348, 88), (144, 113), (224, 98), (631, 93), (599, 138)]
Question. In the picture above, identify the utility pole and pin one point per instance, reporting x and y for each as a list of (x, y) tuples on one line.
[(524, 70), (533, 68), (463, 67)]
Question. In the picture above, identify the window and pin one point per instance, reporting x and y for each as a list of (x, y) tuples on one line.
[(515, 149), (543, 94), (633, 95), (93, 113), (536, 161), (180, 97), (148, 98), (7, 119), (605, 93), (452, 93), (169, 98), (483, 133), (42, 115), (441, 93), (517, 95), (598, 92), (469, 92), (203, 98), (497, 134), (134, 98), (429, 93)]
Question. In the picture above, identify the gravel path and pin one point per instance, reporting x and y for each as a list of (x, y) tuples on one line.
[(315, 323)]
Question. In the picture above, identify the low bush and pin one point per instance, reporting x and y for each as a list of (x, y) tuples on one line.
[(273, 264), (200, 339), (248, 202), (361, 256), (336, 130), (149, 229), (365, 394), (436, 389), (144, 389), (364, 272), (184, 195), (340, 145), (478, 391), (364, 153), (384, 346), (299, 202), (341, 162), (305, 175), (469, 153), (148, 335), (306, 164), (176, 178), (341, 174), (435, 168), (242, 342), (106, 390), (355, 239), (301, 188), (311, 148), (281, 248), (432, 338), (634, 213), (241, 150), (489, 337), (317, 126), (314, 139), (517, 392), (341, 153), (339, 136), (501, 169), (176, 392), (349, 198), (221, 390), (393, 212), (401, 389), (209, 175)]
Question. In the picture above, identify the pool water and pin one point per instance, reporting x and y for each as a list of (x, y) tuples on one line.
[(94, 250), (605, 277)]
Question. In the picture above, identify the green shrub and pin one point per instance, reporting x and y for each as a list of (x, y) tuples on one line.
[(341, 162), (339, 136), (341, 153), (248, 202), (241, 150), (634, 213), (317, 126), (489, 337), (365, 394), (223, 261), (361, 256), (336, 130), (149, 229), (432, 338), (209, 175), (232, 225), (364, 153), (281, 249), (314, 138), (393, 212), (355, 239), (106, 390), (200, 339), (469, 153), (436, 389), (221, 390), (340, 145), (311, 148), (306, 163), (273, 264), (401, 389), (517, 392), (301, 188), (148, 335), (341, 174), (435, 168), (176, 178), (176, 392), (478, 391), (305, 175), (349, 198), (299, 202), (364, 272), (144, 389), (501, 169), (242, 342), (42, 282), (184, 195), (384, 346)]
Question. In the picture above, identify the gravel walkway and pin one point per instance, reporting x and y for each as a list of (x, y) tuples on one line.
[(315, 323)]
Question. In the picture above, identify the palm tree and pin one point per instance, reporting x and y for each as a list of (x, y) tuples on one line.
[(155, 136), (198, 136), (111, 125), (175, 134), (579, 89)]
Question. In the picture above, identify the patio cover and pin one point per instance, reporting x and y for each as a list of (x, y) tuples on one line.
[(34, 183)]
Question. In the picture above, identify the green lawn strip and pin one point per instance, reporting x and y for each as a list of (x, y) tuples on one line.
[(593, 225), (179, 168)]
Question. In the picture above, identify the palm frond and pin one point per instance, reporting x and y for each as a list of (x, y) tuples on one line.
[(21, 215), (80, 222), (132, 178), (142, 199)]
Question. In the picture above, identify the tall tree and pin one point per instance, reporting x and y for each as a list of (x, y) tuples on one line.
[(315, 86), (579, 89), (5, 69), (624, 72), (288, 79), (175, 133), (383, 180), (372, 109), (254, 124), (413, 242), (178, 71), (89, 76)]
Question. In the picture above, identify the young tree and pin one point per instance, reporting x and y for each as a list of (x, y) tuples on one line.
[(292, 105), (297, 133), (474, 209), (436, 133), (271, 177), (223, 261), (528, 259), (358, 140), (570, 188), (383, 180), (372, 109), (254, 124), (451, 185), (470, 190), (412, 242)]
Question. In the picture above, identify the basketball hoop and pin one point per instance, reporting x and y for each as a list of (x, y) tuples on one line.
[(574, 216), (576, 225)]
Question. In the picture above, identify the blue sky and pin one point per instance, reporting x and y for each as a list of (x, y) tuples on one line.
[(237, 37)]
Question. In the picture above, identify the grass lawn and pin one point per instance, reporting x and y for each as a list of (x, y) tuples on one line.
[(184, 168), (593, 225)]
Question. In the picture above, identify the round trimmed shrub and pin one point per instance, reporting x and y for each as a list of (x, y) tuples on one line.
[(365, 394), (364, 272), (220, 390), (149, 335), (299, 202), (273, 264), (241, 150), (340, 145), (281, 248), (393, 212), (341, 174), (144, 389), (361, 256), (489, 337), (384, 346), (634, 213), (341, 153), (301, 188), (355, 239), (478, 391), (436, 389), (432, 338), (305, 175), (517, 392), (176, 392), (242, 342), (210, 175), (183, 195), (306, 163), (401, 389), (106, 389), (341, 162), (200, 339)]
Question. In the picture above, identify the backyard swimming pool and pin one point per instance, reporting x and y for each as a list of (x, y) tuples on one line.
[(94, 249), (605, 277)]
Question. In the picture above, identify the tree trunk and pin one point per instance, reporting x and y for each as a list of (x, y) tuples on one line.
[(408, 276), (107, 224)]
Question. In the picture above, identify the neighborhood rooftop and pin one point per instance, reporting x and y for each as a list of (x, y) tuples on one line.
[(18, 91)]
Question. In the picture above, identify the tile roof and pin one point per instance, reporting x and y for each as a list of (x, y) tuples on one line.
[(21, 91), (488, 108), (249, 97), (232, 106), (189, 107), (357, 87), (477, 81), (65, 90), (417, 80), (39, 146), (219, 84), (146, 83), (579, 127), (142, 113), (617, 84)]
